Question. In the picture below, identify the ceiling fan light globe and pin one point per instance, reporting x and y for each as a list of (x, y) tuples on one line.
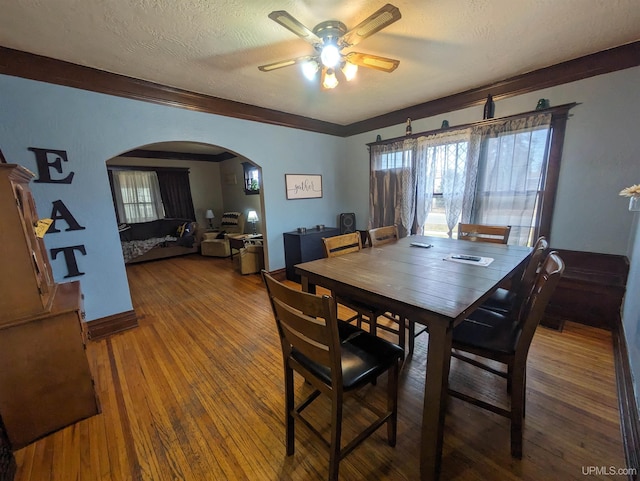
[(349, 70), (330, 56), (330, 81), (309, 69)]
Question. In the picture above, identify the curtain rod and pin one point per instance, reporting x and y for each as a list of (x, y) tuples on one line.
[(560, 110)]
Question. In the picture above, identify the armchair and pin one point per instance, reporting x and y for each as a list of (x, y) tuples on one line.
[(216, 244)]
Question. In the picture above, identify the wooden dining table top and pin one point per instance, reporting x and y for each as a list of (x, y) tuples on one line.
[(418, 281)]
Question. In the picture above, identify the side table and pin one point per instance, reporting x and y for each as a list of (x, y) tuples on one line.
[(238, 241)]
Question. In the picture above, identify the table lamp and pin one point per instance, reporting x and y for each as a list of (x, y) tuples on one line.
[(252, 217), (209, 215)]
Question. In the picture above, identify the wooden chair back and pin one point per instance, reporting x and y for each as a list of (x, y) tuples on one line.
[(383, 235), (307, 323), (342, 244), (545, 283), (484, 233), (525, 284)]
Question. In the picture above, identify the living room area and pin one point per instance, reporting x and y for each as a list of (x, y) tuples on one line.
[(178, 198)]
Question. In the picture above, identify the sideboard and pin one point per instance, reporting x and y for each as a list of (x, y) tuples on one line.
[(304, 247)]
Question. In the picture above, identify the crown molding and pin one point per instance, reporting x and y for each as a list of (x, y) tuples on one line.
[(169, 155), (36, 67), (45, 69), (606, 61)]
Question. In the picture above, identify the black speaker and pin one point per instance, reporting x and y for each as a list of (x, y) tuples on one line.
[(347, 223)]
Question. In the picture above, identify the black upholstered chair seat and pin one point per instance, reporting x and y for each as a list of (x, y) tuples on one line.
[(364, 357), (487, 330), (501, 300), (346, 330)]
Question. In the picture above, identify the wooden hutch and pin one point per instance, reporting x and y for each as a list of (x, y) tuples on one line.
[(45, 380)]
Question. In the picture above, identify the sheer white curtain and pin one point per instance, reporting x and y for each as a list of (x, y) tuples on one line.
[(511, 172), (455, 155), (487, 174), (137, 195), (392, 198)]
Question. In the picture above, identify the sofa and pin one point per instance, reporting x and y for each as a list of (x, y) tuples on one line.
[(159, 239), (216, 243)]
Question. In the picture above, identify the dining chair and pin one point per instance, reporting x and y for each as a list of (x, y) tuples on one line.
[(510, 300), (338, 246), (498, 234), (383, 235), (334, 366), (498, 337)]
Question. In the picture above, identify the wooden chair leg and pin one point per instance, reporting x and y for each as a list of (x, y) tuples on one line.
[(392, 404), (524, 394), (336, 433), (402, 333), (373, 323), (412, 336), (289, 407), (517, 411)]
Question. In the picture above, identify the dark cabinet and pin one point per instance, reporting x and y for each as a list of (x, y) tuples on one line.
[(304, 247)]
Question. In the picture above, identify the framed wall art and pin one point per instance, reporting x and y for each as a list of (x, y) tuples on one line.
[(303, 186)]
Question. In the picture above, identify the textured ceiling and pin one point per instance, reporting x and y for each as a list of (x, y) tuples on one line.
[(215, 46)]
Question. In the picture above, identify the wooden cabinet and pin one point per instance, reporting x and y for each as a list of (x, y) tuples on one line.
[(45, 380), (304, 247)]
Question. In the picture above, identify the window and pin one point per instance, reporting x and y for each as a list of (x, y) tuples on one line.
[(492, 172), (251, 178), (443, 156), (510, 182), (137, 196)]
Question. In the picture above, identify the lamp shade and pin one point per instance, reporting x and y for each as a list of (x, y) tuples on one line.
[(252, 216), (209, 214)]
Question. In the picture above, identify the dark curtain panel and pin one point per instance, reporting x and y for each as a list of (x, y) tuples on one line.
[(113, 195), (386, 202), (175, 191)]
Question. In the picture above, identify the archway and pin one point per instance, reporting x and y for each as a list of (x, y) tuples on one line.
[(216, 179)]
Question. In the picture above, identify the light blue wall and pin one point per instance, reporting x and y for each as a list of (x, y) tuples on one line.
[(92, 128), (631, 310), (601, 156)]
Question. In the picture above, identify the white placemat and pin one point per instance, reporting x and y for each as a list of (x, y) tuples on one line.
[(484, 261)]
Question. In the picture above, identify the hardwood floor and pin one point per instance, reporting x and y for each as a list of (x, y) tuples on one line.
[(195, 393)]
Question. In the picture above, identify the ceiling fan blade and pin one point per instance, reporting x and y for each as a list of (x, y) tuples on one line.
[(374, 23), (383, 64), (290, 23), (284, 63)]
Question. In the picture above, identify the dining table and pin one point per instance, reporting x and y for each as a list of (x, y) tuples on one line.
[(423, 279)]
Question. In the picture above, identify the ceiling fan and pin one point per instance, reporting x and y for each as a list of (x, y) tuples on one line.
[(329, 38)]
